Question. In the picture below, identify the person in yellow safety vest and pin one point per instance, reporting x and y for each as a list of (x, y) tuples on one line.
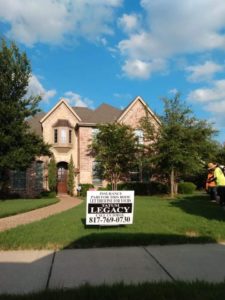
[(220, 181), (211, 185)]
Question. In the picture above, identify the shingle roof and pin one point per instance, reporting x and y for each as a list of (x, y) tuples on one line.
[(83, 112), (105, 113), (35, 124)]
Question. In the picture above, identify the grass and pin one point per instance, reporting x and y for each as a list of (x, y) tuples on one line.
[(189, 219), (17, 206), (161, 291)]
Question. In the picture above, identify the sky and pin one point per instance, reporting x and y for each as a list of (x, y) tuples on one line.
[(110, 51)]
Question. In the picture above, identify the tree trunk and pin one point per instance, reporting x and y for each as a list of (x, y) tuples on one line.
[(172, 183)]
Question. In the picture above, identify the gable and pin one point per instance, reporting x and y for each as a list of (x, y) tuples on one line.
[(135, 111), (61, 107)]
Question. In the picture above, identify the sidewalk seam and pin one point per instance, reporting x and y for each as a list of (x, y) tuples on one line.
[(158, 262), (50, 270)]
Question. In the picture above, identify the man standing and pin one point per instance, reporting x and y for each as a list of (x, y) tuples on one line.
[(211, 185), (220, 181)]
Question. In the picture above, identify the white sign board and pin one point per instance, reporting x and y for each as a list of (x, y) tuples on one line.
[(109, 207)]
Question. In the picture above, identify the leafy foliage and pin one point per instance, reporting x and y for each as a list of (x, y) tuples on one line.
[(114, 149), (52, 174), (70, 180), (186, 188), (143, 188), (19, 145), (183, 144), (84, 188)]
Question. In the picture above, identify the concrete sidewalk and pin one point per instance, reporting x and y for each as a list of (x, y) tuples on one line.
[(32, 271)]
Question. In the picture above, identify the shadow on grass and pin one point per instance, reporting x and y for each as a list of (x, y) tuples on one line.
[(115, 239), (200, 205)]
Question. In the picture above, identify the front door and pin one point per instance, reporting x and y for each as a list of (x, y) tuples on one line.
[(62, 178)]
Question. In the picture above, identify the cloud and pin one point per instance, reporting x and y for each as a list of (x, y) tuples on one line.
[(141, 69), (173, 91), (36, 88), (209, 95), (175, 28), (129, 23), (75, 99), (52, 22), (212, 100), (204, 72)]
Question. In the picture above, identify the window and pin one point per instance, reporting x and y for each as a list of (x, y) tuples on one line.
[(55, 136), (135, 174), (70, 136), (63, 136), (18, 180), (39, 175), (94, 132), (95, 176), (140, 135)]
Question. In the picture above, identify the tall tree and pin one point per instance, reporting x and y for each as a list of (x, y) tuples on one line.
[(183, 143), (18, 146), (114, 150), (71, 178)]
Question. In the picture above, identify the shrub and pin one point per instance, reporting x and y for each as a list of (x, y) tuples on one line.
[(84, 188), (186, 188), (52, 174), (143, 188), (48, 194), (103, 189), (70, 179)]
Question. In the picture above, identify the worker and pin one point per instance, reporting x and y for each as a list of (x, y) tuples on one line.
[(211, 185), (220, 181)]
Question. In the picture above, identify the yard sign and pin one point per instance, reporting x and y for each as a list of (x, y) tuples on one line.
[(109, 207)]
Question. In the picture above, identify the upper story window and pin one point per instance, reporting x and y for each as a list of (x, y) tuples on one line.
[(55, 136), (140, 135), (62, 132), (70, 136), (63, 136)]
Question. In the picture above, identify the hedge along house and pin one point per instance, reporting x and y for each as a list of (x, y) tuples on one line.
[(70, 130)]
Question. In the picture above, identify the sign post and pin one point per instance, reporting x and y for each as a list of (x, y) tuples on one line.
[(106, 208)]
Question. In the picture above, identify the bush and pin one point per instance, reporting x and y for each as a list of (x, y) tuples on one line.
[(143, 188), (103, 189), (48, 194), (8, 196), (186, 188), (84, 188)]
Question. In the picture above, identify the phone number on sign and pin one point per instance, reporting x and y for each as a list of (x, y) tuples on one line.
[(107, 220)]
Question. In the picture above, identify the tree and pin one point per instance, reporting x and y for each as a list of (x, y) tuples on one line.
[(71, 173), (52, 174), (220, 155), (183, 144), (19, 145), (114, 150)]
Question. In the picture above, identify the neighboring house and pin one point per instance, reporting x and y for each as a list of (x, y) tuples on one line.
[(70, 130)]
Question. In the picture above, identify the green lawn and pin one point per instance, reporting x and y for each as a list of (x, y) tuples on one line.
[(146, 291), (17, 206), (191, 219)]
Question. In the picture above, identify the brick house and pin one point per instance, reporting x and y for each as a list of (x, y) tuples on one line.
[(69, 130)]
